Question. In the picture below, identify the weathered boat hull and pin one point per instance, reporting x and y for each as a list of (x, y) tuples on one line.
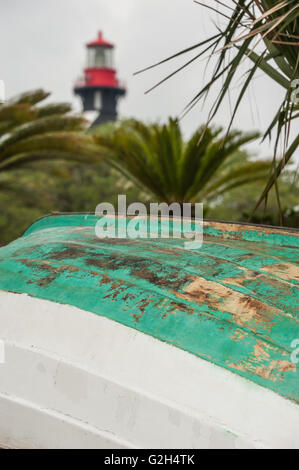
[(71, 378)]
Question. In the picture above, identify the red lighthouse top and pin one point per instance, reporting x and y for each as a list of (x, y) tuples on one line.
[(100, 70), (100, 41)]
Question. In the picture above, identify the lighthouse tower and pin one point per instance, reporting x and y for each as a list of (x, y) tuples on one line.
[(100, 89)]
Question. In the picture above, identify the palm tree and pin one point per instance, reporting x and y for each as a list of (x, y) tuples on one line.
[(248, 25), (30, 132), (157, 159)]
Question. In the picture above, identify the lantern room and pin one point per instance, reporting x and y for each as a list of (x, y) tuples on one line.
[(100, 53)]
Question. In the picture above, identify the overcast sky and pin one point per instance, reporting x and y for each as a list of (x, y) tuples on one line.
[(42, 44)]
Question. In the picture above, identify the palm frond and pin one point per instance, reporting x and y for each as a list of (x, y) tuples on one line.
[(249, 25), (158, 160)]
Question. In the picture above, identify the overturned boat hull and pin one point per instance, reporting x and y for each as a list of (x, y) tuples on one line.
[(109, 377)]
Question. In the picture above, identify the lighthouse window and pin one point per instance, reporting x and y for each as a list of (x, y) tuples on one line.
[(99, 57), (97, 100)]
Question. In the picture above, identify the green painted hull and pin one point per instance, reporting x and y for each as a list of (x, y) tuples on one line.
[(234, 302)]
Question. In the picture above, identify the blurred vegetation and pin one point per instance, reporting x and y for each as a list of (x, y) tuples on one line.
[(31, 131), (236, 205), (265, 34), (67, 187), (58, 186), (35, 181), (32, 135)]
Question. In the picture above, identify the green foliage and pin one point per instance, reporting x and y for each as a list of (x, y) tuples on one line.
[(49, 163), (45, 187), (265, 32), (157, 159), (31, 132), (237, 206)]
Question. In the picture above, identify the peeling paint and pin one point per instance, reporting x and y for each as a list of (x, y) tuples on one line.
[(234, 302)]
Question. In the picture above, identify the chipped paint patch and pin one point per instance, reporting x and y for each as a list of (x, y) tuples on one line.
[(286, 271), (242, 308)]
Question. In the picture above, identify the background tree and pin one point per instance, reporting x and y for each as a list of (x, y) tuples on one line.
[(58, 186), (32, 136), (157, 159), (235, 206), (265, 32), (30, 132)]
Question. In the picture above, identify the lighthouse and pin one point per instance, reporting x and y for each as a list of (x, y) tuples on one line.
[(99, 89)]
